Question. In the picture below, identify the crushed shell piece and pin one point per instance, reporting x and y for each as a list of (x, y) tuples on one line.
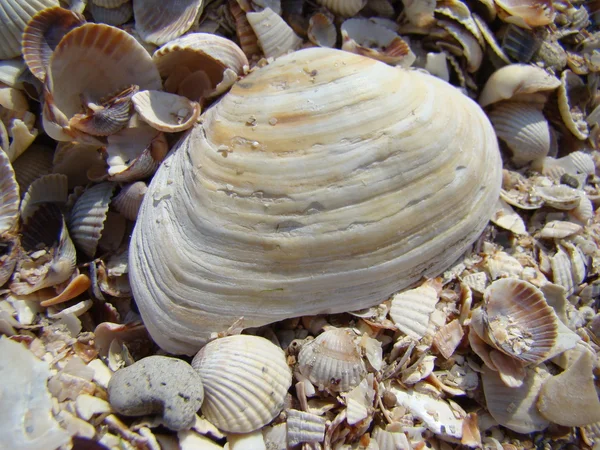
[(528, 13), (570, 398), (346, 8), (559, 229), (9, 206), (26, 420), (245, 378), (506, 217), (304, 427), (166, 112), (411, 310), (275, 36)]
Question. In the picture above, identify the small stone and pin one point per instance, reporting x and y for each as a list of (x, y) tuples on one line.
[(158, 385)]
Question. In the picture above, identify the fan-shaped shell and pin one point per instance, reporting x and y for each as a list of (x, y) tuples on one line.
[(332, 361), (14, 15), (159, 25), (246, 379), (295, 198), (518, 320)]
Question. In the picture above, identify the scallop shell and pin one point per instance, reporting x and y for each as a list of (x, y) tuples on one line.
[(518, 320), (160, 25), (411, 310), (14, 15), (366, 38), (50, 188), (275, 36), (287, 220), (516, 80), (524, 129), (9, 206), (43, 33), (129, 200), (166, 112), (88, 215), (332, 361), (96, 61), (346, 8), (246, 379)]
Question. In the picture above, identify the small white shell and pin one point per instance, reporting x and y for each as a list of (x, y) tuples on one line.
[(159, 25), (304, 427), (346, 8), (275, 36), (88, 215), (332, 361), (9, 207), (561, 270), (506, 217), (129, 200), (166, 112), (559, 196), (524, 129), (321, 30), (559, 229), (14, 15), (411, 309), (246, 379)]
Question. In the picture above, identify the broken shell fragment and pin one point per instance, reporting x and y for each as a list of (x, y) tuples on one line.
[(166, 112), (274, 35), (245, 378), (526, 13), (411, 310), (321, 30), (332, 361), (346, 8), (518, 320), (198, 204)]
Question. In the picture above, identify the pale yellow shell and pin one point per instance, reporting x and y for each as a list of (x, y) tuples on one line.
[(294, 198)]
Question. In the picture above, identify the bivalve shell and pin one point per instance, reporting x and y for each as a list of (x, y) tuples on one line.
[(304, 427), (166, 112), (332, 361), (559, 196), (246, 379), (159, 25), (275, 36), (346, 8), (360, 200), (9, 207), (411, 309)]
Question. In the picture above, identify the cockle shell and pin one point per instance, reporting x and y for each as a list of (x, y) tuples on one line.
[(245, 378), (159, 25), (295, 198)]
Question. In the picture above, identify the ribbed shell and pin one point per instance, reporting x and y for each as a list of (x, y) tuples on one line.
[(346, 8), (88, 215), (246, 379), (98, 61), (329, 205), (332, 361), (112, 16), (524, 129), (9, 195), (166, 112), (42, 35), (34, 163), (411, 309), (129, 200), (159, 25), (14, 15), (275, 36), (518, 320), (51, 188), (304, 427)]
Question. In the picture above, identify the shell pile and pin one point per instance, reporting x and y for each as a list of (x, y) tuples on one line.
[(373, 224)]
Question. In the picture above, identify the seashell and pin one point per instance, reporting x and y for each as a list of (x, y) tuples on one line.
[(112, 16), (559, 196), (43, 33), (166, 112), (507, 218), (332, 361), (518, 320), (74, 160), (77, 286), (275, 5), (304, 427), (365, 37), (50, 266), (533, 13), (515, 407), (22, 137), (160, 25), (570, 398), (275, 36), (388, 440), (34, 163), (448, 338), (572, 111), (88, 215), (11, 72), (201, 53), (14, 15), (520, 43), (490, 39), (459, 13), (275, 280), (411, 310), (246, 36), (9, 208), (50, 188), (359, 401), (524, 129), (129, 200), (321, 30), (561, 271), (245, 378), (472, 50), (107, 55), (516, 80), (584, 211), (244, 441), (559, 229), (437, 64), (346, 8), (501, 264)]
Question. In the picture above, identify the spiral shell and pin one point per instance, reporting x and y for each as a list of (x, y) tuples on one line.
[(245, 381), (316, 201)]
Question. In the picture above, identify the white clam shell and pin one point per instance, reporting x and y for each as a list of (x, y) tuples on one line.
[(166, 112), (332, 361), (14, 15), (360, 198), (246, 379)]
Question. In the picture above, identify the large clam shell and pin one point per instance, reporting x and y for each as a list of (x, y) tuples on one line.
[(246, 379), (318, 201)]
